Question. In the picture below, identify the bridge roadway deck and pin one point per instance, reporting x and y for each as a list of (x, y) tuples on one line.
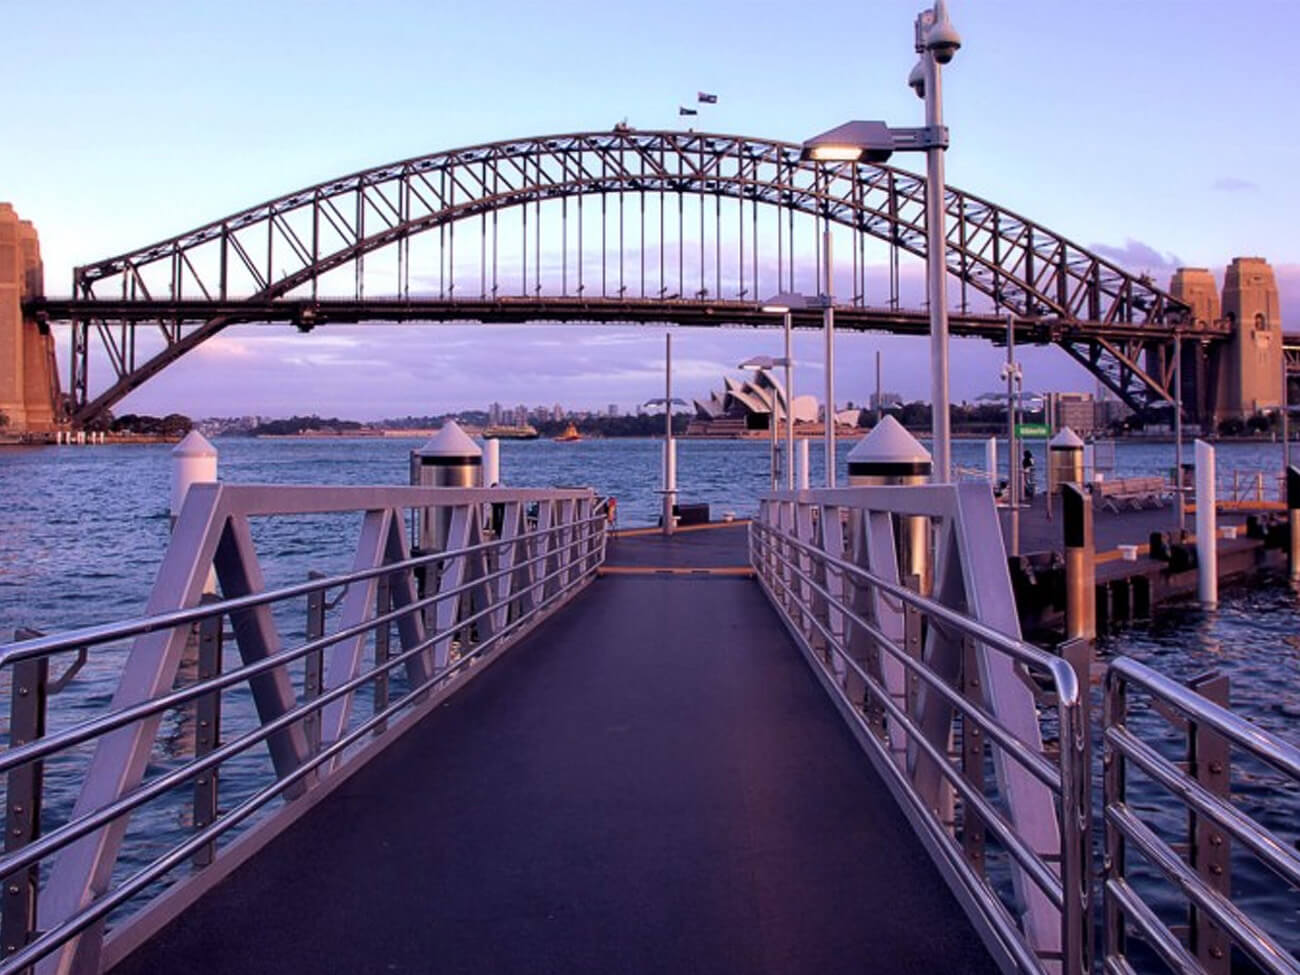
[(653, 781)]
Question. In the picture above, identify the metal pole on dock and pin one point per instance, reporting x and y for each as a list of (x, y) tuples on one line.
[(1179, 512), (828, 327), (1207, 565), (491, 462), (1293, 516), (1011, 372), (805, 462), (670, 453), (789, 402), (1080, 564)]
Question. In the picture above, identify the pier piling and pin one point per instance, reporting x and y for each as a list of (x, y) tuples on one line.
[(1080, 564), (1293, 517), (1207, 564)]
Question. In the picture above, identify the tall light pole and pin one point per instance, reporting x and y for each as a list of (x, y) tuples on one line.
[(874, 142), (1014, 376), (670, 454), (828, 330), (783, 304), (765, 363)]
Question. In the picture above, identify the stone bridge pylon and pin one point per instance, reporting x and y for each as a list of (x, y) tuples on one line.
[(29, 385)]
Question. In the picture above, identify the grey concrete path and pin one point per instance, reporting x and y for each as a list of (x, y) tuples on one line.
[(653, 781)]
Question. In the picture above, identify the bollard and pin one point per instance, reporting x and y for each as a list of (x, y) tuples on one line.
[(1207, 563), (991, 461), (670, 485), (1064, 460), (194, 461), (1080, 564), (491, 462), (449, 459), (889, 455), (1293, 516), (804, 461)]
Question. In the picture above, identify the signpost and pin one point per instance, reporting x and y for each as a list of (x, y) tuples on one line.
[(1024, 430)]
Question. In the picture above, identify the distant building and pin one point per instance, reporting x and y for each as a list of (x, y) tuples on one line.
[(557, 412), (885, 400), (613, 409), (1078, 412), (494, 414)]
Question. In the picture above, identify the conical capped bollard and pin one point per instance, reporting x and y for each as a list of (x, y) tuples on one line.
[(449, 459), (890, 456), (194, 461), (1064, 459)]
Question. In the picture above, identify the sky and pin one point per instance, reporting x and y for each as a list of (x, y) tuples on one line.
[(1159, 133)]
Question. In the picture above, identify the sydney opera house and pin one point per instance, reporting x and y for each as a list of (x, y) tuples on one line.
[(746, 407)]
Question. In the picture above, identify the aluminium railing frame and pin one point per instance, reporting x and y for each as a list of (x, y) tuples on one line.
[(483, 592), (904, 668), (1216, 826)]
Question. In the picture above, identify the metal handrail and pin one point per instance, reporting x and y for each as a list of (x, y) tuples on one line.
[(566, 565), (95, 727), (1124, 827), (776, 557), (51, 939), (86, 636)]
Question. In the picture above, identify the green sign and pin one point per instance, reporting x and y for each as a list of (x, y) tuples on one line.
[(1031, 429)]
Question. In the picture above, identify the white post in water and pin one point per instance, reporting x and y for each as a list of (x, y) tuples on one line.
[(491, 462), (194, 461), (1207, 566), (991, 461), (804, 461)]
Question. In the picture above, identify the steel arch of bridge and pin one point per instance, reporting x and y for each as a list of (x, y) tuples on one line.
[(267, 263)]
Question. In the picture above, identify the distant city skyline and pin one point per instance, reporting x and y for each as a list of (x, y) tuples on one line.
[(1156, 134)]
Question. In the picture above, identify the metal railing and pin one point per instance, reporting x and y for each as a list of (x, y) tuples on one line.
[(1247, 486), (1194, 869), (936, 696), (512, 557)]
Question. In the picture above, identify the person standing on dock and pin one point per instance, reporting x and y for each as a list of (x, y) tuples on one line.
[(1027, 469)]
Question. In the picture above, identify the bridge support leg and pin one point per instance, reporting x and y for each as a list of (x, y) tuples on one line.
[(29, 391)]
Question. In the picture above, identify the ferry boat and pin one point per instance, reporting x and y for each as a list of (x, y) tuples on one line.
[(525, 432), (569, 435)]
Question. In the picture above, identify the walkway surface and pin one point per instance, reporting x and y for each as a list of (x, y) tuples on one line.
[(652, 781)]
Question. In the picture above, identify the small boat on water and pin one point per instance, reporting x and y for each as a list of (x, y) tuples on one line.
[(569, 435), (525, 432)]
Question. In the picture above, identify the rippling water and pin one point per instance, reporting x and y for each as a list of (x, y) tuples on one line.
[(85, 528)]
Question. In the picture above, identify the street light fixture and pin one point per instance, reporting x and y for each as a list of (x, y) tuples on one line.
[(783, 304), (764, 363), (874, 142)]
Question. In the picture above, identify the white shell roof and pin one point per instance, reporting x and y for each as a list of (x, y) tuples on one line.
[(889, 443)]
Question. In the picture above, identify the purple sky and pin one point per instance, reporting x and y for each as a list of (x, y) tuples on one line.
[(1158, 133)]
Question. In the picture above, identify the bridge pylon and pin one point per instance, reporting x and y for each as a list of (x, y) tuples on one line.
[(1253, 356), (29, 387)]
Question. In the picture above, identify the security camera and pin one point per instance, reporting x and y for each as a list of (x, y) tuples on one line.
[(942, 41), (916, 79)]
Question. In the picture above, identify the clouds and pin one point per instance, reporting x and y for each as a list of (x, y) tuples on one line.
[(1136, 257), (1234, 184)]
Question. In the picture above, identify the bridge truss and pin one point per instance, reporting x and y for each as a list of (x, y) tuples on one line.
[(621, 226)]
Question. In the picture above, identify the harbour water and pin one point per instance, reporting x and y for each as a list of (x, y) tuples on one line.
[(85, 529)]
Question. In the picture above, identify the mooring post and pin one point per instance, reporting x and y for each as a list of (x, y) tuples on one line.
[(804, 460), (491, 462), (1293, 516), (194, 461), (1080, 564), (991, 461), (1207, 564)]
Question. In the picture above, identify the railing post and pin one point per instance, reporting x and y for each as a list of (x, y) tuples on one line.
[(23, 788), (912, 642), (1209, 761), (314, 663), (1113, 772), (207, 734), (383, 603), (973, 828)]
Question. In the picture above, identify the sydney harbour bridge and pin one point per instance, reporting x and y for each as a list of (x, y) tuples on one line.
[(630, 226)]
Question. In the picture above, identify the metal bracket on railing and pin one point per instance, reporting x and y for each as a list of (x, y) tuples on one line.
[(1209, 762), (23, 793), (55, 686)]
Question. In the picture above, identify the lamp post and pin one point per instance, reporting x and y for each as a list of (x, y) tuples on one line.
[(874, 142), (783, 304), (765, 362), (670, 456), (1014, 376)]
